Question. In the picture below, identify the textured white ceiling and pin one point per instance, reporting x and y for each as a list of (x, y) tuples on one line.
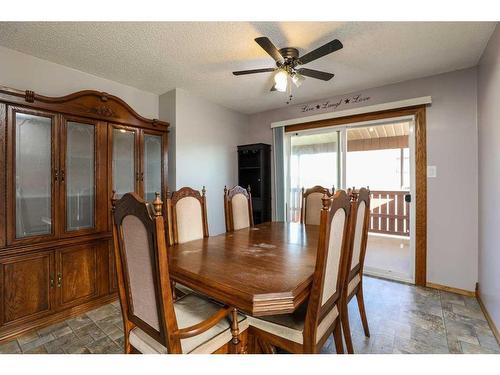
[(200, 56)]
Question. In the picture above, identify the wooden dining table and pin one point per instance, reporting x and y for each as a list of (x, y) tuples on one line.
[(263, 270)]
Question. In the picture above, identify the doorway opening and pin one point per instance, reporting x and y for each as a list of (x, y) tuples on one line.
[(379, 155)]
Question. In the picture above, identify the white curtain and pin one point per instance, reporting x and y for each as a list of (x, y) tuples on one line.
[(279, 173)]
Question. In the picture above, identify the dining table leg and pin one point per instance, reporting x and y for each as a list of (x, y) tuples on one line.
[(238, 342)]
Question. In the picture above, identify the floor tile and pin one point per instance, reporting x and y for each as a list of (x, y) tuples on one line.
[(382, 344), (57, 345), (79, 345), (10, 347), (27, 338), (402, 319), (487, 339), (475, 349), (103, 346), (411, 346), (35, 343), (38, 350), (91, 329), (102, 313), (58, 330), (79, 322)]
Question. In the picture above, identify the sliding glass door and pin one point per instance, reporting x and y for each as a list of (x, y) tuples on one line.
[(377, 155)]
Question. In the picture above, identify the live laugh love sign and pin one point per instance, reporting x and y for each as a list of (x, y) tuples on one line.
[(332, 105)]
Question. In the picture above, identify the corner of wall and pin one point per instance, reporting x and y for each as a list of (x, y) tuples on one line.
[(167, 112)]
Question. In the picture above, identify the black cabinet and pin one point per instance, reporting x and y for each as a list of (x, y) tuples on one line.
[(254, 170)]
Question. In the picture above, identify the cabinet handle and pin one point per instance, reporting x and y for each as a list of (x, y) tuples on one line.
[(51, 281), (56, 175), (59, 280), (137, 176), (62, 175), (142, 176)]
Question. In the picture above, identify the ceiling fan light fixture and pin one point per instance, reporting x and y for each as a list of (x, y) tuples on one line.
[(281, 80), (297, 79)]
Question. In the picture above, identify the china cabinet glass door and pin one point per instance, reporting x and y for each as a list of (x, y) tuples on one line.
[(124, 160), (78, 176), (33, 175), (152, 165)]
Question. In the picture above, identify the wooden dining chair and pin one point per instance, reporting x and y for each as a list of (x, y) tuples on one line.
[(238, 208), (187, 215), (359, 224), (153, 322), (311, 203), (307, 329)]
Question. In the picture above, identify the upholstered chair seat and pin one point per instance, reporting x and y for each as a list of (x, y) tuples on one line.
[(190, 310), (291, 326)]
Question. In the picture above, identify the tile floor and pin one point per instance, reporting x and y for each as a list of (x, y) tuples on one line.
[(402, 319), (389, 254)]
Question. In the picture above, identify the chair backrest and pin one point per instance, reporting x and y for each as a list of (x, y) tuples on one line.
[(312, 204), (330, 270), (360, 222), (142, 269), (187, 215), (238, 208)]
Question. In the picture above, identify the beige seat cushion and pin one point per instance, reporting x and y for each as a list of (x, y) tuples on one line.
[(358, 234), (189, 219), (314, 204), (291, 326), (190, 310), (240, 211), (353, 283)]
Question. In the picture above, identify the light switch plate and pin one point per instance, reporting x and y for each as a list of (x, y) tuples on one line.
[(431, 171)]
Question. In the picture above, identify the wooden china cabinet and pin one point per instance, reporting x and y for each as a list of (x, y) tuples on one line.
[(60, 159)]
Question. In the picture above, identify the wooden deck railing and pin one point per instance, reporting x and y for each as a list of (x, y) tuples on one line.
[(390, 214)]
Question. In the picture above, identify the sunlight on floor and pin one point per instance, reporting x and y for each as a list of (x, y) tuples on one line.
[(389, 255)]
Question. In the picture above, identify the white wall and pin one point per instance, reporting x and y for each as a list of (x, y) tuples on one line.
[(489, 176), (25, 72), (451, 146), (168, 113), (206, 136)]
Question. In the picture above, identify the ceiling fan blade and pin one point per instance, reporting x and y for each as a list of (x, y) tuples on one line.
[(329, 47), (252, 71), (270, 48), (324, 76)]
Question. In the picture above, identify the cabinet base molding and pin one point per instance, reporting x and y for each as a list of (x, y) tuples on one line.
[(450, 289), (8, 333)]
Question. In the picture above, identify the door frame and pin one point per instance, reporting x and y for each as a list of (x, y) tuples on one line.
[(419, 114)]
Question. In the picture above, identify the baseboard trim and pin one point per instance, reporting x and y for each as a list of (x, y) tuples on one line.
[(487, 315), (450, 289)]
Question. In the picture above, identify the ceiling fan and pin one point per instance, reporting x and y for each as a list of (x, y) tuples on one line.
[(287, 59)]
